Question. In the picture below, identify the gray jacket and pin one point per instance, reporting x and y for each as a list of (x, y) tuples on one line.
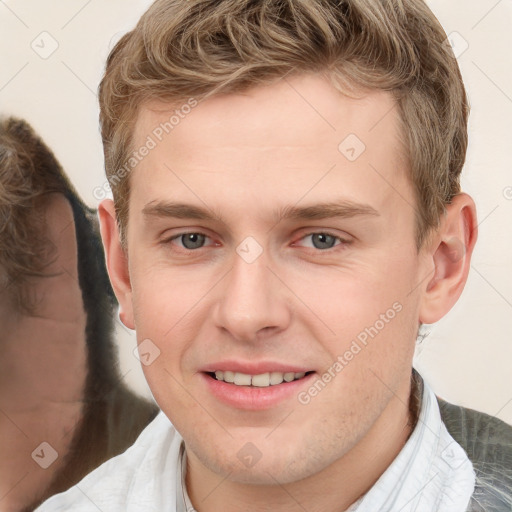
[(488, 444)]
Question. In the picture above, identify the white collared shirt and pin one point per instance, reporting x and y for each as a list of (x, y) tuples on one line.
[(432, 473)]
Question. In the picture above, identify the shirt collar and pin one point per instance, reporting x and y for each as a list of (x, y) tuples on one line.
[(432, 472)]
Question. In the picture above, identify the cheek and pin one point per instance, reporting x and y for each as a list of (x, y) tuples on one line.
[(349, 300), (169, 312), (368, 319), (163, 298)]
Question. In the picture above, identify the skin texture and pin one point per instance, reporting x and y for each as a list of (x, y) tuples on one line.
[(245, 157), (42, 387)]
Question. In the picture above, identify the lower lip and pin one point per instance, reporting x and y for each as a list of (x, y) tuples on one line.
[(254, 398)]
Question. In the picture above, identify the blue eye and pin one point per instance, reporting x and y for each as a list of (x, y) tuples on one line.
[(189, 241), (324, 241), (193, 240)]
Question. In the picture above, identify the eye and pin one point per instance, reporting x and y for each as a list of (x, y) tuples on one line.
[(189, 241), (323, 240)]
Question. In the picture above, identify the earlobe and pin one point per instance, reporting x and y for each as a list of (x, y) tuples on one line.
[(116, 261), (451, 257)]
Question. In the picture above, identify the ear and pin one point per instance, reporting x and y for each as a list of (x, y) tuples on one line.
[(117, 261), (450, 255)]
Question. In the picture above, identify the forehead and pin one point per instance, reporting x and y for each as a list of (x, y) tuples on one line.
[(271, 140), (307, 102)]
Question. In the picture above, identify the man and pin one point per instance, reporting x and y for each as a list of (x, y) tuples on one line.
[(64, 406), (287, 213)]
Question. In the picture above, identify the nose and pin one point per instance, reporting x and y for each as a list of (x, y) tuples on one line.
[(252, 301)]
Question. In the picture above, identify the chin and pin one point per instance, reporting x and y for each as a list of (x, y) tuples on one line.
[(268, 466)]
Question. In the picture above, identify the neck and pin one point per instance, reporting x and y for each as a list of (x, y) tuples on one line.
[(334, 488)]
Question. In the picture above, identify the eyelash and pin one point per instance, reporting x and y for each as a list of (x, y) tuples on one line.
[(343, 242)]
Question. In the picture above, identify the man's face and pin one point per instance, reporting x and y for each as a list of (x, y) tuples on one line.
[(259, 291)]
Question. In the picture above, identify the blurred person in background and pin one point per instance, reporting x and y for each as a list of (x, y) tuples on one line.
[(64, 408)]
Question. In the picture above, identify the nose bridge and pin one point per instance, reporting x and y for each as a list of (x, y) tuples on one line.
[(252, 298)]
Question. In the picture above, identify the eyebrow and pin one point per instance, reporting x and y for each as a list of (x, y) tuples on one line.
[(342, 209)]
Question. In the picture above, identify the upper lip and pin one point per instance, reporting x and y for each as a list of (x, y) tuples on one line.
[(254, 368)]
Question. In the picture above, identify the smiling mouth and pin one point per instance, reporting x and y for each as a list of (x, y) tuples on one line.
[(262, 380)]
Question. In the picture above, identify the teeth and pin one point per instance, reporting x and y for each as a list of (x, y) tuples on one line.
[(276, 378), (262, 380), (241, 379)]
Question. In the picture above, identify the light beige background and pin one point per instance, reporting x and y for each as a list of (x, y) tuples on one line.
[(467, 356)]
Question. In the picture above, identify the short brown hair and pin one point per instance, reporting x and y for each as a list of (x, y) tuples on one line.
[(198, 48)]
